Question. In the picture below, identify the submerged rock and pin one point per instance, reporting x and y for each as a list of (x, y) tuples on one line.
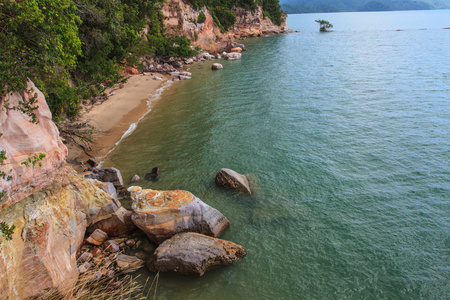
[(162, 214), (153, 175), (233, 180), (135, 178), (193, 254), (232, 56), (216, 66)]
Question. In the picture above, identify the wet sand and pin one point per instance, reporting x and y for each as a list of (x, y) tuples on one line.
[(113, 117)]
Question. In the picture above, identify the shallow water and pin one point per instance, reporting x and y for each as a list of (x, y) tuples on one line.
[(346, 139)]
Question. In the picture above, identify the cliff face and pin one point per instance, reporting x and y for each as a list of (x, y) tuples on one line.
[(22, 140), (50, 227), (180, 19), (50, 206)]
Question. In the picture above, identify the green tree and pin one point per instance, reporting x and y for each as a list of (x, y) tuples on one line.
[(36, 37), (324, 25)]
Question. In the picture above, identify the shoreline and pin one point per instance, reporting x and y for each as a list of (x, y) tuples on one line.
[(116, 117)]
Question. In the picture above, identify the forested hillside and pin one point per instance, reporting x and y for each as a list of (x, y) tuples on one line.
[(312, 6), (73, 49)]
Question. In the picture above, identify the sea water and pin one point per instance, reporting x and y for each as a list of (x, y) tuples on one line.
[(345, 137)]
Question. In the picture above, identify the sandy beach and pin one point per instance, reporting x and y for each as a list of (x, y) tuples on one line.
[(113, 117)]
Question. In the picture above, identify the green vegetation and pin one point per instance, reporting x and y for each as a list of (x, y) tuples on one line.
[(74, 49), (324, 25), (201, 18), (224, 17), (7, 230)]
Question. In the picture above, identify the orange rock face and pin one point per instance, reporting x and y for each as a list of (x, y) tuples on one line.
[(161, 214), (22, 140), (180, 19), (50, 227)]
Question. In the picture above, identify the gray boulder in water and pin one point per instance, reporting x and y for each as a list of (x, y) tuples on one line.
[(233, 180), (193, 254)]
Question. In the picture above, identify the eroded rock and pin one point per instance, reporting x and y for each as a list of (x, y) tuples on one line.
[(97, 237), (162, 214), (232, 180), (107, 175), (193, 254)]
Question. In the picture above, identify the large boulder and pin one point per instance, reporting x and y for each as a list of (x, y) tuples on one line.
[(23, 140), (233, 180), (162, 214), (193, 254)]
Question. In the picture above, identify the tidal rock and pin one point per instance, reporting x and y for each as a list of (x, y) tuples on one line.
[(97, 237), (182, 77), (236, 49), (135, 178), (189, 61), (92, 162), (107, 175), (193, 254), (242, 46), (162, 214), (232, 56), (128, 264), (233, 180), (181, 73), (216, 66), (153, 175)]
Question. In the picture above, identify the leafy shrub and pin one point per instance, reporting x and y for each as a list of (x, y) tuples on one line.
[(224, 17), (201, 18)]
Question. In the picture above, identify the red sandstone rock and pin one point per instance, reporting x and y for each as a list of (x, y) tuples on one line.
[(162, 214), (97, 237), (179, 19), (20, 139)]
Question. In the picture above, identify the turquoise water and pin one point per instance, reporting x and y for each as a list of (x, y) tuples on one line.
[(346, 139)]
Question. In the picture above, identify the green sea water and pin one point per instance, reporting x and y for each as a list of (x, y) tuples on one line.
[(345, 137)]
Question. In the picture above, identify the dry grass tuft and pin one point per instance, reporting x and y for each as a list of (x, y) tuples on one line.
[(103, 289)]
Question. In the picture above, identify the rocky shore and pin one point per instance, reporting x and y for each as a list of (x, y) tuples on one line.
[(68, 226)]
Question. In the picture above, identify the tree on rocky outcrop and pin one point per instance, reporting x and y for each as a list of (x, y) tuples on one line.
[(324, 25)]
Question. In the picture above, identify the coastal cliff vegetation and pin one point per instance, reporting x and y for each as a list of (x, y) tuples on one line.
[(73, 49)]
